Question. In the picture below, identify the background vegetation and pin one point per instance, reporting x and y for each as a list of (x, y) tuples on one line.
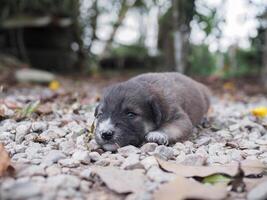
[(63, 34)]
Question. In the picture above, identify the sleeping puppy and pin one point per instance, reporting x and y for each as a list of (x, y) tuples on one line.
[(154, 107)]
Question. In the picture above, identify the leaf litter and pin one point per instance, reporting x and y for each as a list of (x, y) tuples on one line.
[(209, 182), (5, 165)]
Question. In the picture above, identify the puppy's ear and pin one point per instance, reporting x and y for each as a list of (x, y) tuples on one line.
[(156, 112), (96, 110)]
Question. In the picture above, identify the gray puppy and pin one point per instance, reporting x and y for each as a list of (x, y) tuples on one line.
[(153, 107)]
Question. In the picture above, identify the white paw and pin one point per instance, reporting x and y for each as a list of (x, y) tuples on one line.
[(157, 137)]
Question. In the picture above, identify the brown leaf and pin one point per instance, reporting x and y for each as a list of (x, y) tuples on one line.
[(121, 181), (249, 167), (4, 160), (183, 188)]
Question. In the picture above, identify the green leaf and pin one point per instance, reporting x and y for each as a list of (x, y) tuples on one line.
[(216, 178), (29, 109)]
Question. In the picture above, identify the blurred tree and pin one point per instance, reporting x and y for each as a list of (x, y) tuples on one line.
[(39, 25), (264, 54), (174, 31), (124, 7)]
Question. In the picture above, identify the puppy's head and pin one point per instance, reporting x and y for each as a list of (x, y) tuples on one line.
[(124, 116)]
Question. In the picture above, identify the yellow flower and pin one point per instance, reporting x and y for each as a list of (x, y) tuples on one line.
[(54, 85), (259, 111)]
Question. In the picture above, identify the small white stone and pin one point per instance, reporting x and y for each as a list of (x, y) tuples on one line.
[(39, 126), (131, 162), (81, 156), (21, 131), (95, 156), (70, 163), (164, 152), (53, 157), (127, 150), (149, 162)]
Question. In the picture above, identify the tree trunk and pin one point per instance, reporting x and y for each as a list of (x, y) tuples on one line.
[(264, 71), (122, 14), (179, 38), (93, 23)]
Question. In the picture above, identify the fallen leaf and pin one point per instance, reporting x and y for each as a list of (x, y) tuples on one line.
[(217, 178), (39, 139), (183, 188), (237, 183), (2, 112), (250, 167), (200, 171), (91, 130), (4, 160), (121, 181), (54, 85), (229, 86), (259, 112)]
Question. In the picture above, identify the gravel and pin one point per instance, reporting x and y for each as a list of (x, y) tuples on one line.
[(58, 161)]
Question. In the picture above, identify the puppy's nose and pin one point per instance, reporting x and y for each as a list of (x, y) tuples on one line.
[(107, 135)]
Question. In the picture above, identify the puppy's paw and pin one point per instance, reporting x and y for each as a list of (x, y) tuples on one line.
[(157, 137)]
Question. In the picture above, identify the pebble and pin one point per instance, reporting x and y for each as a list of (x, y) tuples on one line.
[(33, 170), (127, 150), (68, 162), (148, 147), (21, 131), (94, 156), (92, 145), (53, 157), (82, 157), (39, 126), (131, 162), (86, 174), (67, 147), (148, 162), (194, 160), (23, 190), (164, 152), (53, 170)]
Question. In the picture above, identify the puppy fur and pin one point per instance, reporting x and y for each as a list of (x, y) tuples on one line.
[(152, 107)]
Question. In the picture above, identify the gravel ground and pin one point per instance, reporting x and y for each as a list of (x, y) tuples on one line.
[(54, 158)]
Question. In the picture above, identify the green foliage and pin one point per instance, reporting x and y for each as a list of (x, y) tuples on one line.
[(216, 178), (135, 51), (10, 8), (201, 60), (246, 63)]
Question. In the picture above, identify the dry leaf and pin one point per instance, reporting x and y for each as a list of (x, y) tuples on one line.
[(229, 86), (259, 112), (183, 188), (121, 181), (4, 160), (250, 167), (54, 85)]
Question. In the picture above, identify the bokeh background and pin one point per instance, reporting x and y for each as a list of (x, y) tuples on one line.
[(216, 39)]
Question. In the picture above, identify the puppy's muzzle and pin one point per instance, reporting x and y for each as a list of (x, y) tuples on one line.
[(107, 135)]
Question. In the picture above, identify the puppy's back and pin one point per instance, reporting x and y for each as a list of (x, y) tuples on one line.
[(177, 91)]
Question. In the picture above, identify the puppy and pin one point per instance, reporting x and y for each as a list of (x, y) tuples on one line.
[(153, 107)]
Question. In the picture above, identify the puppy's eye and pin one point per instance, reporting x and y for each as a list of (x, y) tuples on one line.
[(99, 115), (131, 115)]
